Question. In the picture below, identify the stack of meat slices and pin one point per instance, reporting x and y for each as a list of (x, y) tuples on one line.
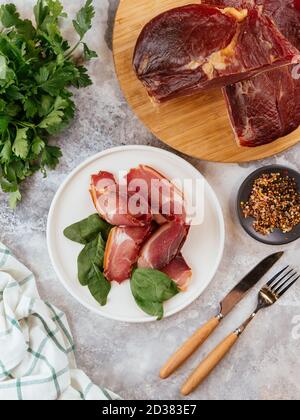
[(247, 47), (150, 234)]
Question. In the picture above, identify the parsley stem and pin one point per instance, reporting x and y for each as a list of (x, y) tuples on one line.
[(68, 54), (25, 124)]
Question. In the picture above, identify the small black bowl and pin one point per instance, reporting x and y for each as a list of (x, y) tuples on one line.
[(277, 237)]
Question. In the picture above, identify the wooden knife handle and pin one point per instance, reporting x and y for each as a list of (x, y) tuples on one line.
[(208, 364), (189, 347)]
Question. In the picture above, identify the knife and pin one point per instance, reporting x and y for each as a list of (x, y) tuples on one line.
[(226, 306)]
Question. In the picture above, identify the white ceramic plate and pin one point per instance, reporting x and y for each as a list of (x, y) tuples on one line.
[(203, 249)]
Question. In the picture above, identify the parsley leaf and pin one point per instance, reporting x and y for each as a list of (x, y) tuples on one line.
[(82, 79), (37, 69), (50, 156), (84, 18), (56, 9), (42, 75), (4, 120), (5, 153), (88, 54), (59, 79), (30, 107), (55, 117), (26, 29), (20, 146), (14, 197), (41, 11), (9, 15), (37, 146), (3, 67), (8, 186)]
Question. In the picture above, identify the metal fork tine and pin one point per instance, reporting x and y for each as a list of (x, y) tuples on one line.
[(281, 292), (278, 275), (277, 287), (283, 280)]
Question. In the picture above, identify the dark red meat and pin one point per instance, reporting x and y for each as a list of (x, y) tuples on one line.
[(150, 240), (179, 271), (163, 245), (165, 199), (239, 4), (286, 17), (195, 47), (102, 180), (285, 13), (264, 108), (115, 205), (297, 4), (267, 107), (122, 251)]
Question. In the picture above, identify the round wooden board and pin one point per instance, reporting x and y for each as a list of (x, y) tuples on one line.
[(198, 125)]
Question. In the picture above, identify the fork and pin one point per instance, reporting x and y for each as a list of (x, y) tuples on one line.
[(268, 295)]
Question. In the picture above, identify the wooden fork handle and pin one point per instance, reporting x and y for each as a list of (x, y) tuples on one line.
[(208, 364), (189, 347)]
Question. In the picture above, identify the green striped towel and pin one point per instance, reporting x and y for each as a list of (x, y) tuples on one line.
[(36, 346)]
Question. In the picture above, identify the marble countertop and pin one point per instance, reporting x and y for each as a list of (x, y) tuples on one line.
[(126, 358)]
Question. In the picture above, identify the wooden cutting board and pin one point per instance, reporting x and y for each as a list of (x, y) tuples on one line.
[(199, 125)]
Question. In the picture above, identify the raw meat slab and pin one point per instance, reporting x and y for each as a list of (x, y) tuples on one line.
[(283, 12), (267, 107), (264, 108), (196, 47)]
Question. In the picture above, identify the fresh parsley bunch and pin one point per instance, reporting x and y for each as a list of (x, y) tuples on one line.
[(37, 69)]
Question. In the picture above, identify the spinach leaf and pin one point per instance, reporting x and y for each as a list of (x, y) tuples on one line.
[(98, 285), (150, 289), (88, 229), (151, 308), (92, 254)]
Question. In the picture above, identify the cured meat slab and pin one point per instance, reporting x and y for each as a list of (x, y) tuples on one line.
[(196, 47), (196, 125), (284, 13), (267, 107)]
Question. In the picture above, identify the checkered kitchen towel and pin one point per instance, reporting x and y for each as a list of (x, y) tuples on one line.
[(36, 347)]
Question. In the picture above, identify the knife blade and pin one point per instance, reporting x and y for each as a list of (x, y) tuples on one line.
[(250, 280)]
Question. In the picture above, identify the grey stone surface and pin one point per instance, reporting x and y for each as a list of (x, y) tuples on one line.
[(127, 358)]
